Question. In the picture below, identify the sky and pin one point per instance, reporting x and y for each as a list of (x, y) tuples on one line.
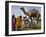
[(15, 10)]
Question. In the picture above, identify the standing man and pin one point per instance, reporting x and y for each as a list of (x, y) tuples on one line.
[(13, 23)]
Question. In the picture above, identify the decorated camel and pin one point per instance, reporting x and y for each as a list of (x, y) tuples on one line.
[(33, 13)]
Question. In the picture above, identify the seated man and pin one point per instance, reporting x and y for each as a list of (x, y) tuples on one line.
[(18, 23)]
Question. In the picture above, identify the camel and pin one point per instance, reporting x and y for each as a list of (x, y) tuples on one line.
[(33, 13)]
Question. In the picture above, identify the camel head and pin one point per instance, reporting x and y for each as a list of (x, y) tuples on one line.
[(22, 8)]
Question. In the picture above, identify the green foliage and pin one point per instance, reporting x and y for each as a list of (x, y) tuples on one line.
[(37, 26)]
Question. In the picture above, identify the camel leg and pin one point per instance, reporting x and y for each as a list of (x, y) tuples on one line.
[(31, 22)]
